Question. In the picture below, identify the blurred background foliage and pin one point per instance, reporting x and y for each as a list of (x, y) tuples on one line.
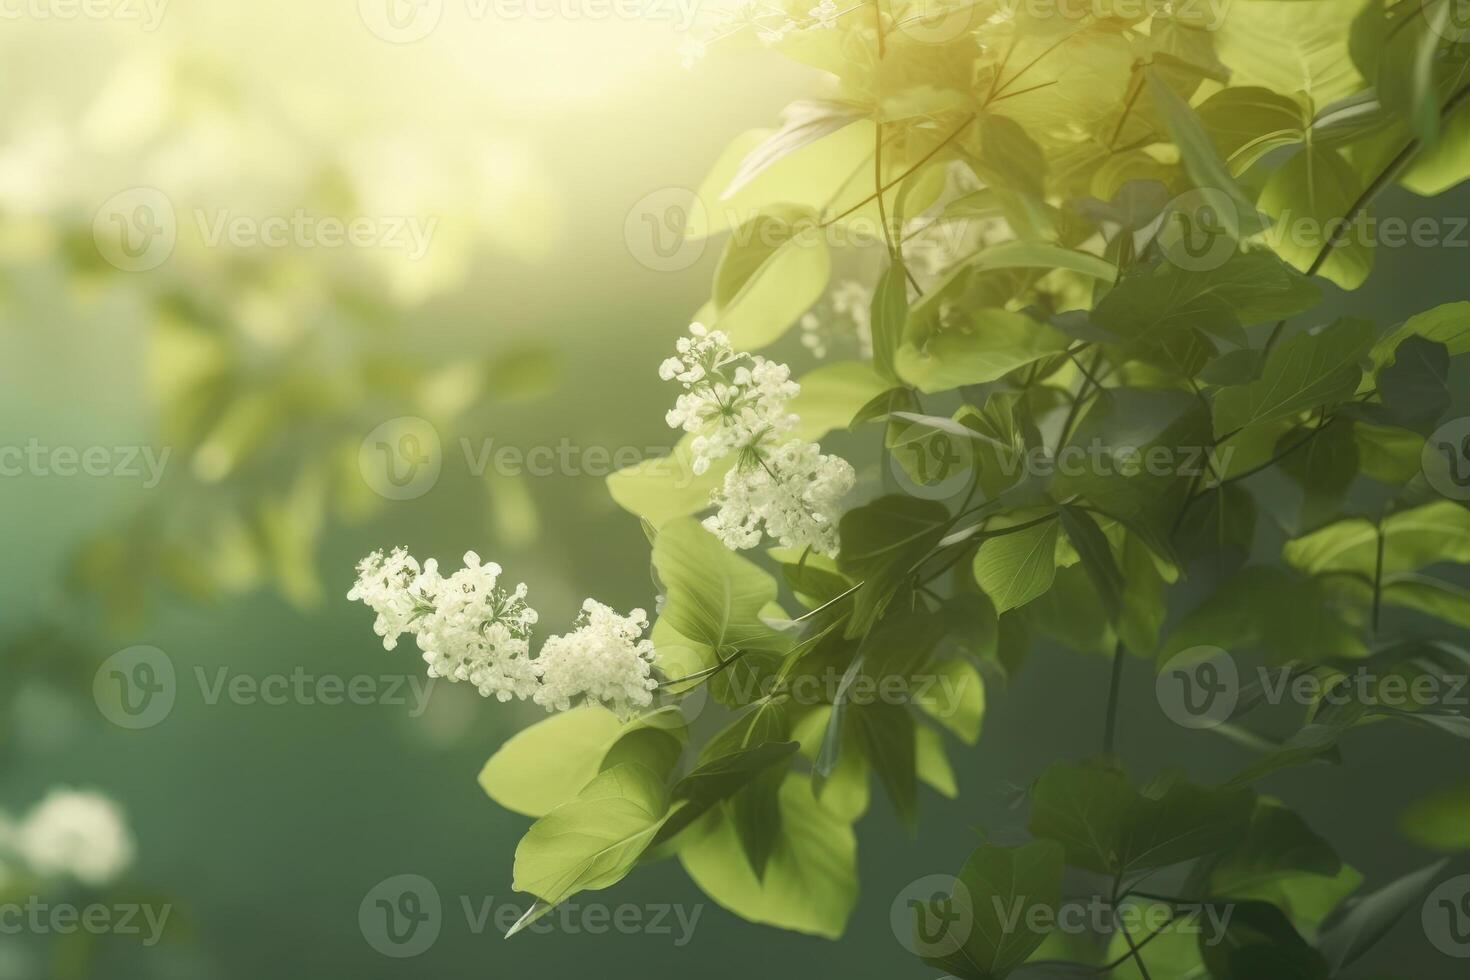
[(529, 321)]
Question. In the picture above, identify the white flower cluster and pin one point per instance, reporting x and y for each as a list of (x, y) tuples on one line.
[(770, 24), (850, 316), (730, 407), (470, 629), (73, 834), (737, 403), (603, 659)]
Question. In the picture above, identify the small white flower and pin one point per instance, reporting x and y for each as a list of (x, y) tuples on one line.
[(77, 834), (825, 14), (793, 494), (396, 589), (772, 35), (733, 401), (604, 659), (480, 633), (691, 51)]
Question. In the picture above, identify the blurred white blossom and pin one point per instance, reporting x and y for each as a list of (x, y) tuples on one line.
[(76, 834)]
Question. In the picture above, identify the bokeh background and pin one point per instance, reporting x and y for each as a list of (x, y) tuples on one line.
[(538, 146)]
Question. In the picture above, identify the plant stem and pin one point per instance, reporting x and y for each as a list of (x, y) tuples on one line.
[(1110, 727), (1385, 177)]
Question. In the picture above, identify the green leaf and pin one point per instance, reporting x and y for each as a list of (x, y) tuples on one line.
[(989, 346), (722, 777), (547, 764), (1442, 600), (1015, 568), (714, 596), (932, 762), (773, 269), (1309, 197), (666, 488), (1440, 821), (810, 884), (1292, 47), (1248, 122), (1439, 167), (594, 840), (1118, 436), (887, 735), (1097, 557), (1108, 827), (832, 395), (1265, 606), (1261, 942), (881, 543), (803, 122), (1251, 287), (1002, 893), (1366, 920), (1414, 388), (1201, 160), (957, 700), (1438, 531), (1448, 324), (1324, 466), (889, 313), (1307, 371)]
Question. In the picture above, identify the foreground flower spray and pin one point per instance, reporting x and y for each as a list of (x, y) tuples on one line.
[(471, 628)]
